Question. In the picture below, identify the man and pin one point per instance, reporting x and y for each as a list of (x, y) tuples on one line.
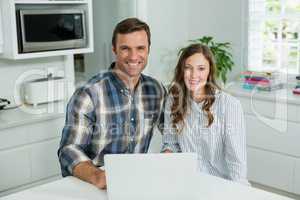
[(115, 111)]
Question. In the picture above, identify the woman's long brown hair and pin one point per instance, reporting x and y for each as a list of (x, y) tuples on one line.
[(179, 91)]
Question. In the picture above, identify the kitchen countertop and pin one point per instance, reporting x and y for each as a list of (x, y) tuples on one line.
[(284, 95), (27, 114)]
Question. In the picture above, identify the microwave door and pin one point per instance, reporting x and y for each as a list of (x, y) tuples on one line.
[(52, 30)]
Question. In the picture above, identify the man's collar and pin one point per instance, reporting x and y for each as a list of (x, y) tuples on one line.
[(119, 82), (112, 66)]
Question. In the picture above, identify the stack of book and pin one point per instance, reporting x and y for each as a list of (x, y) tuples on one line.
[(296, 90), (265, 81)]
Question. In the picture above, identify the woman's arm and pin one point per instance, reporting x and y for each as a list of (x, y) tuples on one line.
[(235, 141)]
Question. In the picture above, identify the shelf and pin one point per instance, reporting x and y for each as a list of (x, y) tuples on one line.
[(10, 37), (52, 53), (50, 2)]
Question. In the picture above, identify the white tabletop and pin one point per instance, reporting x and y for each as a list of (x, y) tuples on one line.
[(210, 188), (69, 188)]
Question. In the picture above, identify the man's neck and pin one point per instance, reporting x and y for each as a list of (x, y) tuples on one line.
[(130, 82)]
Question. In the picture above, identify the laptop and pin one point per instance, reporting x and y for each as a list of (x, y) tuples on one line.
[(165, 176)]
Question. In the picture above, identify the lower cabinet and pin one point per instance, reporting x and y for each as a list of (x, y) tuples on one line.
[(270, 169), (274, 135), (44, 160), (15, 168), (297, 177), (273, 143), (32, 159)]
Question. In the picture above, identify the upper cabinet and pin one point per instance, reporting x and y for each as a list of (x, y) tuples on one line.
[(43, 28)]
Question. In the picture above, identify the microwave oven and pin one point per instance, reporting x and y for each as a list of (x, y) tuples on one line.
[(46, 30)]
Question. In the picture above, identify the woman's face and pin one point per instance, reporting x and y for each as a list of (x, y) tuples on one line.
[(196, 71)]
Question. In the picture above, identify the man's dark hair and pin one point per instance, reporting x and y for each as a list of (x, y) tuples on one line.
[(130, 25)]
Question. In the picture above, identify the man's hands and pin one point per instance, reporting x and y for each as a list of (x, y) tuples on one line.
[(86, 171), (99, 179)]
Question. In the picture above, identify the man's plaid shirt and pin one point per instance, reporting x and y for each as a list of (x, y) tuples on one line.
[(104, 117)]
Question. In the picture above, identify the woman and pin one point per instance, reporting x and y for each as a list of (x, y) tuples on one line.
[(201, 118)]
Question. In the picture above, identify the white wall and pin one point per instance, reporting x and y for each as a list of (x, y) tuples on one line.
[(225, 21), (12, 71), (172, 24), (103, 12), (169, 28), (106, 15)]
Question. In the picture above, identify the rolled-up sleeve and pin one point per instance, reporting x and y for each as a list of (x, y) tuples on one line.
[(170, 137), (77, 132), (235, 142)]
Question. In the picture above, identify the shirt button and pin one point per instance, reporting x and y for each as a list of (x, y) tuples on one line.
[(131, 139), (132, 119)]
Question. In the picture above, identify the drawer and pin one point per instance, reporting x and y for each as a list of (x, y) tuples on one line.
[(44, 160), (270, 169), (270, 109), (45, 130), (13, 137), (275, 135), (14, 168), (36, 132)]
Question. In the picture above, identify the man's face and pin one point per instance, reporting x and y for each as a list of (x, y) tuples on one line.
[(131, 52)]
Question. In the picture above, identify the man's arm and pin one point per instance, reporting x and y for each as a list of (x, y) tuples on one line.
[(75, 140), (88, 172)]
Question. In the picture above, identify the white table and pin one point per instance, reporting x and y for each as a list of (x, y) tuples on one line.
[(69, 188), (210, 188)]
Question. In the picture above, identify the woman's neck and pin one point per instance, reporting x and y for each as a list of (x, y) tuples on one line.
[(199, 95)]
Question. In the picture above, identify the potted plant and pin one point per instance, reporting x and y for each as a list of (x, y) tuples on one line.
[(222, 54)]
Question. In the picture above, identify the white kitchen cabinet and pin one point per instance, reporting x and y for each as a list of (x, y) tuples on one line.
[(9, 26), (297, 177), (262, 135), (270, 169), (28, 152), (45, 130), (272, 108), (13, 137), (44, 160), (15, 167), (22, 135), (272, 123)]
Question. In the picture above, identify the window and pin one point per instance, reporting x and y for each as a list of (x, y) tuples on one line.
[(273, 36)]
